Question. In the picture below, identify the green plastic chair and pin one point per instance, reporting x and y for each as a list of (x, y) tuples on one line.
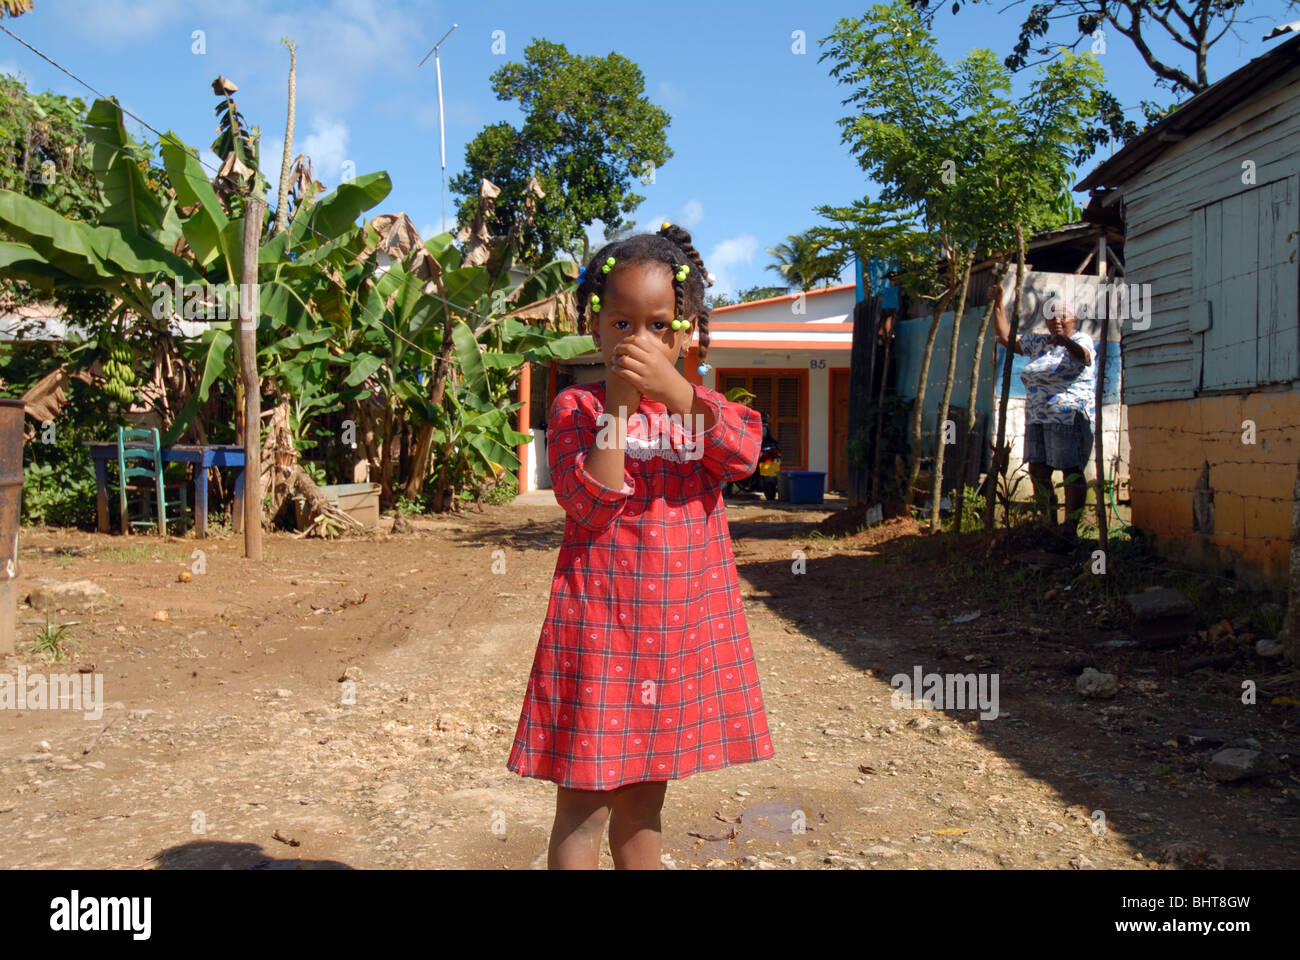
[(145, 449)]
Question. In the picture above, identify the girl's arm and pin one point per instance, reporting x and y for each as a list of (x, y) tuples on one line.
[(570, 436), (733, 432)]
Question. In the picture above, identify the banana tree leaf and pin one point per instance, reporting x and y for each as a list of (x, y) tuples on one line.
[(493, 452), (442, 250), (171, 230), (203, 227), (562, 348), (21, 262), (131, 206), (363, 367), (282, 305), (338, 210), (546, 282), (470, 360), (295, 342), (465, 285), (502, 361), (339, 251), (214, 363), (97, 256), (275, 249)]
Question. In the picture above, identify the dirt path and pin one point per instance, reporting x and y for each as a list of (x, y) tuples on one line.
[(229, 721)]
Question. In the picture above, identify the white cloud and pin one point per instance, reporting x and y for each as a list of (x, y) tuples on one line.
[(669, 93), (327, 146), (112, 21), (352, 51), (723, 259), (688, 215), (431, 228)]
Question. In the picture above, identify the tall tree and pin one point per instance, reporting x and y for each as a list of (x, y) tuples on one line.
[(588, 133), (282, 199), (959, 163), (1193, 27), (803, 261)]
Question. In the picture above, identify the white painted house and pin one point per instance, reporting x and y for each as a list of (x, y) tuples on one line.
[(791, 351)]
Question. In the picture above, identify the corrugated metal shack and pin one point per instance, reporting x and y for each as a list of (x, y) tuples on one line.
[(1209, 201)]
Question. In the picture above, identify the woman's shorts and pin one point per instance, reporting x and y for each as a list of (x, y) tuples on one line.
[(1062, 446)]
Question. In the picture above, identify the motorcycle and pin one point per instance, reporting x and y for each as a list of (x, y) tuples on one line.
[(766, 471)]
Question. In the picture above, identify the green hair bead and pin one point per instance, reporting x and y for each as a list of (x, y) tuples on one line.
[(682, 272), (609, 265), (595, 303)]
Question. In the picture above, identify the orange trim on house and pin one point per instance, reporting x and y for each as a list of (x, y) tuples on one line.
[(845, 346), (786, 297), (521, 451), (815, 326)]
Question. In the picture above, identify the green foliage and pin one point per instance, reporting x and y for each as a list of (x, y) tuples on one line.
[(803, 261), (761, 293), (58, 477), (740, 395), (588, 132), (53, 642)]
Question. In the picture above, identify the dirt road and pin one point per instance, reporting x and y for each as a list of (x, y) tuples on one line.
[(352, 704)]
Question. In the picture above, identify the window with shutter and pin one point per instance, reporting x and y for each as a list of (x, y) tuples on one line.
[(781, 397)]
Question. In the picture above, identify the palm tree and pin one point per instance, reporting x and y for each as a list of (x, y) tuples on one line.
[(14, 8), (803, 263)]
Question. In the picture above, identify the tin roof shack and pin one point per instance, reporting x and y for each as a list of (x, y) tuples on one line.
[(1080, 261), (1210, 202)]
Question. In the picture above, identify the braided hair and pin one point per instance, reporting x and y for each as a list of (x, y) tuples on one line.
[(672, 247)]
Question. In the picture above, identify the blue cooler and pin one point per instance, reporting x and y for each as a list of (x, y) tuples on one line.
[(804, 486)]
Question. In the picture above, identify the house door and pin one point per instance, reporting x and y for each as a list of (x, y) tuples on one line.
[(839, 478)]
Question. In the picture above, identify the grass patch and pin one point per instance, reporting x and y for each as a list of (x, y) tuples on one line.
[(53, 642), (131, 554)]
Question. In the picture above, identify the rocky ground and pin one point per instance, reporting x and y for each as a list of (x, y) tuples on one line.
[(352, 704)]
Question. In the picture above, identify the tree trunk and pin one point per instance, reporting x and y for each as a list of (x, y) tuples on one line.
[(1102, 533), (999, 465), (282, 196), (880, 414), (972, 399), (936, 481), (424, 441), (918, 412)]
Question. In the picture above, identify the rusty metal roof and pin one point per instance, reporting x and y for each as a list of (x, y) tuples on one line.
[(1205, 108)]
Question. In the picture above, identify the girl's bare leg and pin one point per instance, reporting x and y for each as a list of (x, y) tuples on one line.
[(635, 838), (580, 817)]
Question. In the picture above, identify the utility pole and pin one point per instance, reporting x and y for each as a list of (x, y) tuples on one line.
[(442, 126), (249, 313)]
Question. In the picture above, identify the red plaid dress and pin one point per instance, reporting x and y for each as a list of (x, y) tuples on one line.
[(644, 670)]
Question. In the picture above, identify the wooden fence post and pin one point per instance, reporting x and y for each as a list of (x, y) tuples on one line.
[(249, 313)]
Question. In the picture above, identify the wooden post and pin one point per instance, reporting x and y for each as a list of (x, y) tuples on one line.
[(249, 312), (1101, 459)]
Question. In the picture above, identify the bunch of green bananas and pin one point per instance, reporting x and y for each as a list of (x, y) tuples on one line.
[(118, 370)]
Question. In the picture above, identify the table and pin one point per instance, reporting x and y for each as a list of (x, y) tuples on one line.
[(202, 455)]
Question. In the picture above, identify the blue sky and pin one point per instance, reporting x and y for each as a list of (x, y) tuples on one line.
[(753, 130)]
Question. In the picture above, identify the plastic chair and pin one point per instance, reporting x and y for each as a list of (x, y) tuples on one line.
[(144, 447)]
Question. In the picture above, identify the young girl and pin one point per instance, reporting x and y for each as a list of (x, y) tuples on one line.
[(644, 672)]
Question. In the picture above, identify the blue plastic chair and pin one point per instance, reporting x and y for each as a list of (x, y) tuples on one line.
[(144, 448)]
